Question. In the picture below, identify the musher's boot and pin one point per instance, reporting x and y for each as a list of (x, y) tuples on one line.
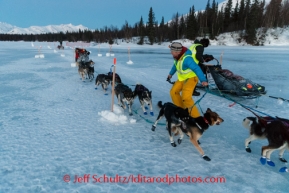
[(196, 93)]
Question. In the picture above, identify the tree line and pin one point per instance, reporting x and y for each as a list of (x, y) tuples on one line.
[(245, 18)]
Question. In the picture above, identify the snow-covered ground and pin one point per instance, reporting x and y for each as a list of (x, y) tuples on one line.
[(56, 128)]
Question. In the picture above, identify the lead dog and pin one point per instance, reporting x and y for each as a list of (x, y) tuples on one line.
[(90, 71), (82, 71), (144, 96), (125, 96), (276, 130)]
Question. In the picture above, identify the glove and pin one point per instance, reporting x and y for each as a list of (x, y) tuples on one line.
[(169, 77), (208, 58)]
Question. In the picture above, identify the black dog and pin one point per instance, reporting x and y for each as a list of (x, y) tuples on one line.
[(102, 79), (117, 78), (90, 69), (176, 117), (144, 96), (125, 96)]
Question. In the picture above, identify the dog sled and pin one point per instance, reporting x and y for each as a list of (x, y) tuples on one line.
[(225, 82)]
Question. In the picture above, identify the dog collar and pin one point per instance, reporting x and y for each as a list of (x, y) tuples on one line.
[(206, 121)]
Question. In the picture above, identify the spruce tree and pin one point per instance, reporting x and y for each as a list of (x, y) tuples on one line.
[(227, 14), (141, 32), (151, 26), (241, 15), (161, 30), (251, 26)]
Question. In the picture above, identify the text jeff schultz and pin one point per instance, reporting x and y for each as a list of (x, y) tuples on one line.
[(144, 179)]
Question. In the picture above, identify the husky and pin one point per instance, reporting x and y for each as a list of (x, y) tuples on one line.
[(117, 78), (175, 117), (82, 71), (125, 96), (90, 72), (102, 79), (193, 127), (275, 130), (144, 96)]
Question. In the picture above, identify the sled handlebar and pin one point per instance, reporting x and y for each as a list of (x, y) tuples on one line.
[(218, 63)]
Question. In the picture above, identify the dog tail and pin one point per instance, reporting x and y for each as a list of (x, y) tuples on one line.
[(160, 104), (247, 122)]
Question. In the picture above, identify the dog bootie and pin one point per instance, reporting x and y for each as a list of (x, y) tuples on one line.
[(145, 113), (248, 149), (152, 113), (284, 169), (173, 144), (282, 159), (263, 160), (206, 158), (270, 163)]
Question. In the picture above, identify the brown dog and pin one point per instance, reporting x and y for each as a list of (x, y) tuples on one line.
[(197, 126), (275, 130)]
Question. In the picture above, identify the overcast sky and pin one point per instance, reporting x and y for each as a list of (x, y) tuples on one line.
[(93, 14)]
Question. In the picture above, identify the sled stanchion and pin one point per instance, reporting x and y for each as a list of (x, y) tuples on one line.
[(113, 80)]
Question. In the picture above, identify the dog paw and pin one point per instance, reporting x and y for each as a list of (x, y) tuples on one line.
[(263, 160), (152, 113), (199, 142), (284, 169), (105, 93), (179, 141), (153, 128), (174, 144), (145, 113), (248, 149), (95, 88), (206, 158), (282, 159), (130, 114), (270, 163)]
